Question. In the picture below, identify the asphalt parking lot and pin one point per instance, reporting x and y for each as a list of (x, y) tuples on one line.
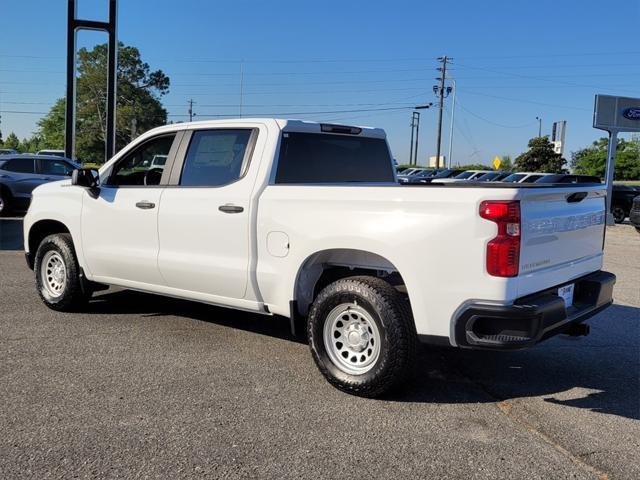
[(140, 386)]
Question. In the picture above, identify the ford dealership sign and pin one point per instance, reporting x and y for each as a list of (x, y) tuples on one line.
[(617, 114), (632, 113)]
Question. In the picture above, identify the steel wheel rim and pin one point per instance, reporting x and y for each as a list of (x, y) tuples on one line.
[(618, 214), (351, 339), (53, 273)]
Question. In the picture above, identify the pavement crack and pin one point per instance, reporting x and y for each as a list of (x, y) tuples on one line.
[(506, 407)]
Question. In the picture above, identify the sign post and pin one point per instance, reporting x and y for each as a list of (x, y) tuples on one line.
[(615, 115)]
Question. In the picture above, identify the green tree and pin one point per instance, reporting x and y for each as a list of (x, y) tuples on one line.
[(138, 103), (11, 141), (540, 158), (593, 159), (506, 164)]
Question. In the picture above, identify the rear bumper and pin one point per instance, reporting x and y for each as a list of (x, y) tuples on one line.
[(533, 318)]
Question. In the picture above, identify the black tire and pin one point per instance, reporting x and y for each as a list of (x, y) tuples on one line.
[(70, 297), (618, 213), (5, 201), (398, 339)]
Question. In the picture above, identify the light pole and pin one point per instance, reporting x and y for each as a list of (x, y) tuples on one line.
[(539, 126), (415, 122), (453, 111)]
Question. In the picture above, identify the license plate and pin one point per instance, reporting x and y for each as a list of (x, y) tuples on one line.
[(566, 293)]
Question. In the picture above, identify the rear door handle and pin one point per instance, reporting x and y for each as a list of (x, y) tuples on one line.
[(228, 208), (145, 205)]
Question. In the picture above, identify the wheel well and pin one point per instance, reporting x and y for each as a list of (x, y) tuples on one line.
[(39, 231), (323, 268)]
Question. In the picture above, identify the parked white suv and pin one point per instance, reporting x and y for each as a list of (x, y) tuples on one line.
[(306, 220)]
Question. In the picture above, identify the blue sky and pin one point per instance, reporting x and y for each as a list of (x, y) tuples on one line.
[(322, 60)]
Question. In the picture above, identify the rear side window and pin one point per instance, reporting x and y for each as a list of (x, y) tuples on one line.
[(55, 167), (329, 158), (215, 157), (532, 178), (20, 165)]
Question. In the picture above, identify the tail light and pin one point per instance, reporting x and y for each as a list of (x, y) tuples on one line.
[(503, 251)]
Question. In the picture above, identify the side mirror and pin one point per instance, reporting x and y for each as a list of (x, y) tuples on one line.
[(85, 177)]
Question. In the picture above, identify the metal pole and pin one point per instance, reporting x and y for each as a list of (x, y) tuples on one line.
[(453, 112), (611, 161), (70, 106), (112, 80), (241, 85), (440, 105), (417, 136), (539, 126), (413, 117)]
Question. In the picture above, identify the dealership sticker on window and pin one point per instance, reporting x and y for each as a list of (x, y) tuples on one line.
[(566, 293)]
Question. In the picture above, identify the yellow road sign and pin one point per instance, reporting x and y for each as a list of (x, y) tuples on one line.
[(496, 162)]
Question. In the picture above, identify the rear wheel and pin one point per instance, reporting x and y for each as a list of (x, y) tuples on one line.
[(362, 336), (618, 214), (5, 200), (58, 273)]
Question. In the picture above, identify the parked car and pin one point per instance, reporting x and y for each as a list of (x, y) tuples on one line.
[(306, 220), (634, 215), (523, 177), (8, 151), (464, 176), (491, 177), (622, 201), (417, 177), (436, 175), (20, 174), (567, 178), (54, 153)]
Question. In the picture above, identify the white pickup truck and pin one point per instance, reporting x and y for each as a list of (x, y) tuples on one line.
[(307, 220)]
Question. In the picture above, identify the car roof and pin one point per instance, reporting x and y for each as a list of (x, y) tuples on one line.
[(33, 156)]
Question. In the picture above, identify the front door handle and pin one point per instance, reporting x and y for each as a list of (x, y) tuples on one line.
[(145, 205), (228, 208)]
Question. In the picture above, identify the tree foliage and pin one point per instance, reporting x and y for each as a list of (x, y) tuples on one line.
[(505, 163), (593, 159), (138, 104), (540, 158)]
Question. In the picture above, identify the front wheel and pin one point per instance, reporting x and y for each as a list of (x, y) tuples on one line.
[(362, 336), (58, 273)]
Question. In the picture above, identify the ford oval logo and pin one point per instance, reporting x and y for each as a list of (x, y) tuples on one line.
[(632, 113)]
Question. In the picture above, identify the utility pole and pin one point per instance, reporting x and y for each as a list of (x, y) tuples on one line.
[(442, 93), (191, 114)]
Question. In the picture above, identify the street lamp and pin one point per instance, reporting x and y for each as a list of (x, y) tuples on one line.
[(415, 125), (539, 126)]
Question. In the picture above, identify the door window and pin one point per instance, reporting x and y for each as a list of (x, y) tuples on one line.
[(19, 165), (55, 167), (143, 166), (215, 157)]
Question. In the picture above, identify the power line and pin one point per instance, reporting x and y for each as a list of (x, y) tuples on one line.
[(491, 121)]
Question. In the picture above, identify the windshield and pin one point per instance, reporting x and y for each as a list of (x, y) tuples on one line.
[(487, 176)]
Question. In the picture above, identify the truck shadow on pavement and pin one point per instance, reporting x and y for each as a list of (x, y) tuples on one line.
[(598, 373)]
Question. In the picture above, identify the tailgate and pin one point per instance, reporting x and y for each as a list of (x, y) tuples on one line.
[(562, 235)]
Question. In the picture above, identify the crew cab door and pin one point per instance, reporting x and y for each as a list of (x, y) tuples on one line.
[(120, 223), (205, 214)]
